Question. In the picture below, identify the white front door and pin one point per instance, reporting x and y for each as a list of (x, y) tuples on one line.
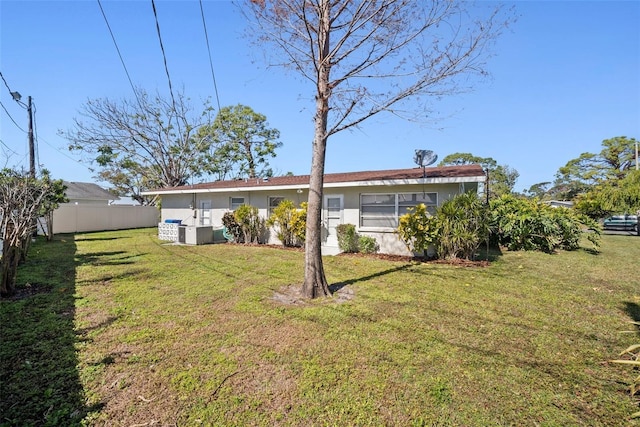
[(205, 212), (332, 217)]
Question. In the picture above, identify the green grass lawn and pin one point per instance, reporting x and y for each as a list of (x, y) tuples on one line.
[(120, 329)]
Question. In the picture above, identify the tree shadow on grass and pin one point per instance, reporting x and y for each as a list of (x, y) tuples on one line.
[(91, 239), (292, 294), (489, 253), (39, 379), (106, 258), (633, 310), (338, 286)]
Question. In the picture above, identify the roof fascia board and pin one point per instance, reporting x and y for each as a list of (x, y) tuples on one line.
[(394, 182)]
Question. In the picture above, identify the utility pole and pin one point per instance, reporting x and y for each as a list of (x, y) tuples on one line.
[(486, 190), (32, 156)]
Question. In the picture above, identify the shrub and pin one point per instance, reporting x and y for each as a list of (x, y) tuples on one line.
[(347, 237), (457, 229), (462, 226), (418, 229), (289, 223), (251, 224), (232, 227), (300, 223), (521, 224), (368, 245), (351, 242)]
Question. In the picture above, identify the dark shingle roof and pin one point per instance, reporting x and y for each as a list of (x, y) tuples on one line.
[(87, 191), (332, 178)]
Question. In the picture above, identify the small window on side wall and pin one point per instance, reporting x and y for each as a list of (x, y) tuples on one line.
[(235, 202), (274, 202)]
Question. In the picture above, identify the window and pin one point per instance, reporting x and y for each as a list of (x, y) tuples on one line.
[(378, 210), (411, 200), (274, 202), (383, 210), (235, 202)]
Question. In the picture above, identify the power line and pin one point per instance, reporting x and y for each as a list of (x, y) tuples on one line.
[(164, 56), (65, 154), (8, 148), (206, 36), (119, 53), (14, 95), (37, 138), (5, 83), (14, 122), (12, 151)]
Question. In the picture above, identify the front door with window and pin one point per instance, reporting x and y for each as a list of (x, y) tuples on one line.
[(332, 217)]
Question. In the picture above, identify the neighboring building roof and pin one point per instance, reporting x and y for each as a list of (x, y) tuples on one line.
[(87, 191), (559, 203), (445, 174)]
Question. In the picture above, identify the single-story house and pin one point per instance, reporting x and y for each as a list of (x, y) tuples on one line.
[(371, 200)]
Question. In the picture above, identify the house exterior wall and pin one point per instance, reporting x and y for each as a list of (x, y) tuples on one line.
[(177, 206), (386, 237)]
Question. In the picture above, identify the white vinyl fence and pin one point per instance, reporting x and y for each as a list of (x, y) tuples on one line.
[(74, 218)]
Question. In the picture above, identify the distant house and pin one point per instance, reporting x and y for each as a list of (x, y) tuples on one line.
[(560, 203), (87, 193), (371, 200)]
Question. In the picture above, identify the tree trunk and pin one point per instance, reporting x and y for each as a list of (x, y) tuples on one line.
[(9, 268), (25, 244), (250, 161), (315, 282), (49, 224)]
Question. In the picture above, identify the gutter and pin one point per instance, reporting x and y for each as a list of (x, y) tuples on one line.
[(418, 181)]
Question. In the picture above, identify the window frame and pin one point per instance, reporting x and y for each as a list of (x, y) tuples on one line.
[(231, 203), (270, 208), (399, 208)]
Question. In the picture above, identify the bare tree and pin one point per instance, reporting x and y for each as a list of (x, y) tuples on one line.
[(142, 143), (365, 57)]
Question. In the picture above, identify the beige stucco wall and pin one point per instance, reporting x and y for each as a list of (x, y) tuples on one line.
[(177, 206), (386, 237)]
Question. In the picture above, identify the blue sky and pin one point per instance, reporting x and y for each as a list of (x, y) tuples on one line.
[(565, 76)]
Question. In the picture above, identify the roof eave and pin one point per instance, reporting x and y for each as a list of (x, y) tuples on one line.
[(373, 183)]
